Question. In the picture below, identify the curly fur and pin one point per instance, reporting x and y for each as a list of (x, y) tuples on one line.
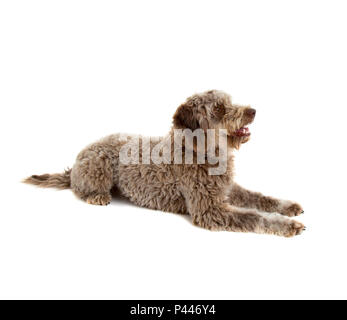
[(214, 202)]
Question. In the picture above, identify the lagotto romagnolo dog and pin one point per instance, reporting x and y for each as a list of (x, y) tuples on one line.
[(214, 201)]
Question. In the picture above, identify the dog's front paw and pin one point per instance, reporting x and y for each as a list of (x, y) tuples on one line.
[(293, 228), (290, 209)]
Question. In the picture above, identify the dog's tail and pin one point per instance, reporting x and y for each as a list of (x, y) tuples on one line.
[(57, 180)]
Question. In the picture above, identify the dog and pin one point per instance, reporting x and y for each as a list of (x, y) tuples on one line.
[(213, 201)]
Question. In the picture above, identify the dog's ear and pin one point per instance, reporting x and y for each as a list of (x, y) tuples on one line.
[(218, 112), (188, 117), (185, 117)]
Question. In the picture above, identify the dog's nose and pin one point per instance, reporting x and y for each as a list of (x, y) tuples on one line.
[(251, 112)]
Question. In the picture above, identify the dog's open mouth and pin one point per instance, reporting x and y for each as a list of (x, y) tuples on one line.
[(242, 132)]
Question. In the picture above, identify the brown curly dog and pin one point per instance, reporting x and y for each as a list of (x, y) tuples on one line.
[(214, 201)]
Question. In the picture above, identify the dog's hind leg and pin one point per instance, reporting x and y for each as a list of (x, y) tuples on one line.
[(241, 197), (92, 177)]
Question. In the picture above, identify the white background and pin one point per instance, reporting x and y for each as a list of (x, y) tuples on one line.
[(74, 71)]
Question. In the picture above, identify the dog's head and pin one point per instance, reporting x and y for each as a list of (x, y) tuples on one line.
[(213, 110)]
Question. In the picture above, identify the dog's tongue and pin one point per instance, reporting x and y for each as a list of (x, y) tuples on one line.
[(242, 131)]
